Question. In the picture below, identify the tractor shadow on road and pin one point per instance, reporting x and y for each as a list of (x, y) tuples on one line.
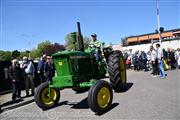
[(126, 88), (113, 105), (83, 104)]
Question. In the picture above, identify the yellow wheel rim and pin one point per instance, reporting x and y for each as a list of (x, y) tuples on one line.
[(103, 97), (122, 70), (47, 98)]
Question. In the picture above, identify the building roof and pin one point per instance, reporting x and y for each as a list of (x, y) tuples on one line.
[(172, 30), (153, 36)]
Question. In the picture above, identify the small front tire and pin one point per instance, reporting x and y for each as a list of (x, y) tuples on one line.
[(100, 97), (45, 100)]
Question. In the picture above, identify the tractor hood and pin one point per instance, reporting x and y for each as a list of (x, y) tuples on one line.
[(69, 53)]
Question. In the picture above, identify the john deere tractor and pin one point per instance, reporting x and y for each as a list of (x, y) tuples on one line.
[(79, 70)]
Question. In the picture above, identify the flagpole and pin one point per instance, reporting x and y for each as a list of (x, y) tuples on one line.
[(1, 28), (158, 21)]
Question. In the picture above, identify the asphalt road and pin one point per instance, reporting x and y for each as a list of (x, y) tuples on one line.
[(146, 98)]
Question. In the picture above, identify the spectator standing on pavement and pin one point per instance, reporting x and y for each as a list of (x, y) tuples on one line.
[(177, 56), (125, 56), (160, 61), (154, 62), (128, 62), (15, 76), (165, 59), (135, 61), (144, 60), (172, 59), (49, 69), (140, 61), (148, 60), (29, 70), (40, 68)]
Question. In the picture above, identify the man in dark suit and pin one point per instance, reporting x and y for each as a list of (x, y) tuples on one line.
[(49, 69), (15, 76)]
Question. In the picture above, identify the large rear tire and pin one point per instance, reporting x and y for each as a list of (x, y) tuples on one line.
[(117, 71), (45, 100), (100, 97)]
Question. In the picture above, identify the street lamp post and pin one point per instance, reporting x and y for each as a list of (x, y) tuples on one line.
[(158, 20), (29, 43)]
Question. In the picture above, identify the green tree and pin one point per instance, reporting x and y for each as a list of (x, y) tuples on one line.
[(69, 42), (44, 47), (53, 48), (15, 54), (5, 55), (41, 46), (24, 53), (36, 53), (69, 45)]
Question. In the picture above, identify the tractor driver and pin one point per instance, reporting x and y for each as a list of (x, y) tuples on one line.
[(96, 44)]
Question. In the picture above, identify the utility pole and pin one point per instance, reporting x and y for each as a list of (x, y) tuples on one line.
[(29, 43), (1, 28), (158, 20)]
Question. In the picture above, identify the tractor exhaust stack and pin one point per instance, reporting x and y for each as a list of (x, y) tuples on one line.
[(80, 38)]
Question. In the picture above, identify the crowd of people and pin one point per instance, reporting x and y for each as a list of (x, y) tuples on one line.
[(24, 72), (157, 59)]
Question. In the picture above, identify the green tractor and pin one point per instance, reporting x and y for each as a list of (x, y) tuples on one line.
[(79, 70)]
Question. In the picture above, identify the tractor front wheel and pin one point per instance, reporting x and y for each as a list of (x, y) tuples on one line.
[(100, 97), (46, 97)]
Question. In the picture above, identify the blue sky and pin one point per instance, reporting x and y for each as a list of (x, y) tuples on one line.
[(25, 23)]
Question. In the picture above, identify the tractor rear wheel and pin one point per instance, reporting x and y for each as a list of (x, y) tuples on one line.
[(100, 97), (46, 97), (117, 71)]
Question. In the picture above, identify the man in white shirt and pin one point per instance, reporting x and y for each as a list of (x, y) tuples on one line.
[(29, 71), (160, 60), (153, 59)]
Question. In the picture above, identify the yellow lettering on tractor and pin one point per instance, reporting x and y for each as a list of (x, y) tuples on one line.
[(60, 63)]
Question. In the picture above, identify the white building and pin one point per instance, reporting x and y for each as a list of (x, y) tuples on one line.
[(170, 39)]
